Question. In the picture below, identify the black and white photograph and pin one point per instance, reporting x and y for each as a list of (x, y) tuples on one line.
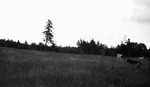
[(74, 43)]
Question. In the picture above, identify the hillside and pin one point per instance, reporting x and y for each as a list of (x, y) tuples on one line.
[(29, 68)]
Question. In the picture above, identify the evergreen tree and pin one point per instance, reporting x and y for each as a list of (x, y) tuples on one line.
[(25, 45), (48, 33)]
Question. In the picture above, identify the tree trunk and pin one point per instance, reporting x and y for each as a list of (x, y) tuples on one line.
[(46, 45)]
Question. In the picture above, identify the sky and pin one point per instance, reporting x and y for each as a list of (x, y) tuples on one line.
[(106, 21)]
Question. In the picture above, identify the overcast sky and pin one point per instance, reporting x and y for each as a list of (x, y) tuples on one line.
[(106, 21)]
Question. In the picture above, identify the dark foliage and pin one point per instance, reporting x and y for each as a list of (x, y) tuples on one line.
[(13, 44), (48, 34), (133, 49), (128, 49), (40, 46), (92, 47)]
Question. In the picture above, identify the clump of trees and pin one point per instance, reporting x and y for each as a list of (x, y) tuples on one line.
[(92, 47), (34, 46), (133, 49), (19, 45), (127, 48)]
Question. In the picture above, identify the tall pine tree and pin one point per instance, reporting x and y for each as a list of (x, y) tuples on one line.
[(48, 33)]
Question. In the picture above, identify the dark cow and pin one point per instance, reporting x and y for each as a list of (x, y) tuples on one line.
[(133, 62)]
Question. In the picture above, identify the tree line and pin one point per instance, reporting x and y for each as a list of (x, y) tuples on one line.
[(34, 46), (127, 48)]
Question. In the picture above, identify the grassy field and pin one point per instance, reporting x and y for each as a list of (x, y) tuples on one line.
[(28, 68)]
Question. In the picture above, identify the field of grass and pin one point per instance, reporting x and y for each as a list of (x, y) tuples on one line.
[(28, 68)]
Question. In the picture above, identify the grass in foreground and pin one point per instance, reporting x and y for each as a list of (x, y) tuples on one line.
[(26, 68)]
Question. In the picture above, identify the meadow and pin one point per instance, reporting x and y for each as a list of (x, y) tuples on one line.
[(29, 68)]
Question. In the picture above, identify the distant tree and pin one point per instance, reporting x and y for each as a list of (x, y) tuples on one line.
[(2, 42), (33, 46), (18, 44), (41, 46), (132, 49), (148, 53), (25, 45), (91, 47), (101, 48), (82, 45), (111, 51), (141, 49), (48, 33)]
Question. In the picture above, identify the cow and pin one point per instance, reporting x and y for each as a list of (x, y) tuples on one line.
[(141, 58), (119, 56), (134, 62)]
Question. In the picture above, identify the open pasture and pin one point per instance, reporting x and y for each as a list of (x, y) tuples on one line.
[(29, 68)]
